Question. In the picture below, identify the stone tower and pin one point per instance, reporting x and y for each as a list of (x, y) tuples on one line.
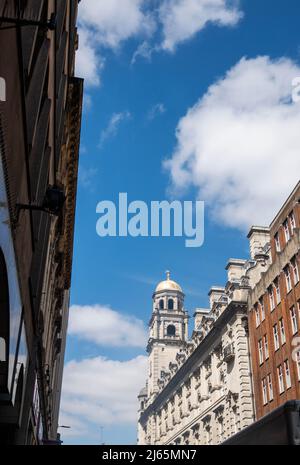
[(168, 329)]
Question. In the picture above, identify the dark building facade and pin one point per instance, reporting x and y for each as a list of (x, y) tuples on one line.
[(274, 312), (40, 119)]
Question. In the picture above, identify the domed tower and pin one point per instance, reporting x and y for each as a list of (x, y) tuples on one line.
[(168, 329)]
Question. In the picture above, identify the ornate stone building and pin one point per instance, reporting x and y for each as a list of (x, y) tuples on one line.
[(198, 390)]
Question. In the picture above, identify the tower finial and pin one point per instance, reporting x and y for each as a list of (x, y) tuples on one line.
[(168, 275)]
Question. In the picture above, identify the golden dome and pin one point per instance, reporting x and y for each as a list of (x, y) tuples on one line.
[(168, 285)]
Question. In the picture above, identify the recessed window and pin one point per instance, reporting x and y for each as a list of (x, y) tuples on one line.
[(257, 318), (286, 230), (270, 386), (292, 221), (280, 379), (262, 309), (260, 351), (294, 319), (277, 291), (171, 330), (277, 242), (288, 278), (282, 331), (295, 270), (287, 374), (161, 304), (170, 304), (276, 337), (271, 298), (266, 347), (264, 391)]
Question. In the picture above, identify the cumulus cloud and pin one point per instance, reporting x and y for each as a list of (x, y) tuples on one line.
[(105, 25), (106, 327), (113, 126), (182, 19), (239, 144), (89, 63), (101, 391)]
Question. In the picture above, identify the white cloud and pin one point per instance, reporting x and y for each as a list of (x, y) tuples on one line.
[(106, 327), (182, 19), (114, 21), (239, 145), (88, 61), (157, 109), (106, 24), (101, 391), (113, 125), (144, 50)]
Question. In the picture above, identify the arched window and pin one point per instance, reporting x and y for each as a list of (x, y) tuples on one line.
[(170, 304), (161, 304), (171, 330), (4, 324)]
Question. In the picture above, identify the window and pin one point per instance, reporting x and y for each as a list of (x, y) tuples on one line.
[(270, 386), (277, 242), (298, 363), (257, 319), (264, 391), (294, 320), (286, 230), (276, 338), (171, 330), (266, 347), (287, 374), (282, 331), (277, 290), (161, 304), (295, 270), (288, 278), (271, 297), (280, 379), (292, 221), (260, 352), (170, 304), (262, 309)]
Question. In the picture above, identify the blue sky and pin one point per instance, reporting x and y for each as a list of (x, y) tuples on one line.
[(212, 96)]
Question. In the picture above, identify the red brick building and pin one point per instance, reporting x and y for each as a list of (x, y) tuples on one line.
[(274, 303)]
